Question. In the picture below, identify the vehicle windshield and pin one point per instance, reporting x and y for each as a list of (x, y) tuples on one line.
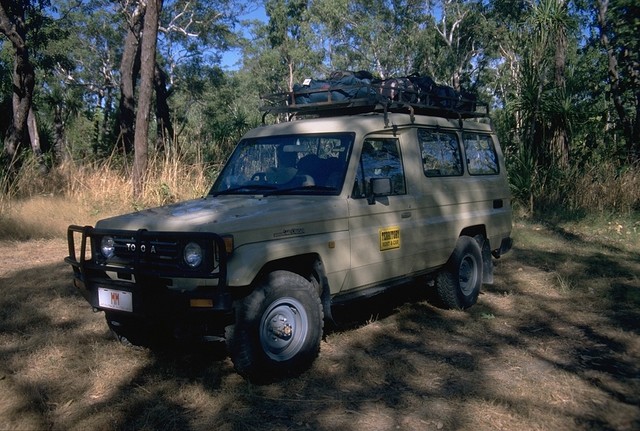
[(288, 164)]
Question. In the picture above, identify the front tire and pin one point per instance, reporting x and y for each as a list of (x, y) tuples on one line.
[(278, 328), (458, 283)]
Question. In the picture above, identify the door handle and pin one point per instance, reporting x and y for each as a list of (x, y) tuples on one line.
[(405, 215)]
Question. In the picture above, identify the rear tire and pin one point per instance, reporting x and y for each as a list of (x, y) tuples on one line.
[(278, 328), (458, 283)]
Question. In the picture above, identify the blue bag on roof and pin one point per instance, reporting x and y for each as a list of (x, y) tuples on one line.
[(344, 87)]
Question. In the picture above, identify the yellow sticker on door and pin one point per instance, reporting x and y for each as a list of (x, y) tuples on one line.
[(389, 238)]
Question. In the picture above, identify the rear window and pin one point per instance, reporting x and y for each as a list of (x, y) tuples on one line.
[(440, 153), (481, 154)]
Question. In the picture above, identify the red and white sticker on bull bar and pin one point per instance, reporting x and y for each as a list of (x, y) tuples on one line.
[(115, 299)]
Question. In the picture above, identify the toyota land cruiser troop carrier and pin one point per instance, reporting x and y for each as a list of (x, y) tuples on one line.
[(368, 193)]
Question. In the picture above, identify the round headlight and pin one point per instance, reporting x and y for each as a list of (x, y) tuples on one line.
[(193, 254), (107, 247)]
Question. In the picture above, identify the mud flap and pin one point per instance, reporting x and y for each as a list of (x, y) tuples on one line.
[(487, 263)]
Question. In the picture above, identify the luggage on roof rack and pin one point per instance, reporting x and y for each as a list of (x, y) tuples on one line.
[(347, 94)]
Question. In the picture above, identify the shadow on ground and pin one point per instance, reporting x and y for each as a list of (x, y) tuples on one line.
[(534, 353)]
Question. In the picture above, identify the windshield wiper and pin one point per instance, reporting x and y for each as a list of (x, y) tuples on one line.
[(247, 187), (300, 188)]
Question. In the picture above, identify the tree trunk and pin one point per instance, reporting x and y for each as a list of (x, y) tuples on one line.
[(559, 135), (32, 126), (163, 113), (634, 146), (23, 76), (129, 68), (291, 70), (106, 118), (60, 150), (148, 62)]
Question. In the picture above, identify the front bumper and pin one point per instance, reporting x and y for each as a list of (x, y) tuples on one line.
[(148, 267)]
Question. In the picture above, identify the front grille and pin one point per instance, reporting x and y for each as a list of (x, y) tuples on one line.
[(149, 252), (145, 253)]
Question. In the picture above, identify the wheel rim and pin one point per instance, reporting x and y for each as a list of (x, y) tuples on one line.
[(468, 274), (283, 329)]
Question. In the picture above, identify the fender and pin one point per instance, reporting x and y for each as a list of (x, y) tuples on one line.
[(247, 260)]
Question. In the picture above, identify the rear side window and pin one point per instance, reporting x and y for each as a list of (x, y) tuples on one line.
[(440, 153), (481, 154)]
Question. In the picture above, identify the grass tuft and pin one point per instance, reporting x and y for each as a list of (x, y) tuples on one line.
[(605, 189), (573, 193)]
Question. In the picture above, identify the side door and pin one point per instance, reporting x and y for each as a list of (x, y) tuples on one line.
[(443, 197), (379, 226)]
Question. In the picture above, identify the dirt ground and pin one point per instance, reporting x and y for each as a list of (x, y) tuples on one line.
[(554, 344)]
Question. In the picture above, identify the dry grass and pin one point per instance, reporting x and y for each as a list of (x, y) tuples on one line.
[(41, 217), (604, 188), (42, 206), (554, 344)]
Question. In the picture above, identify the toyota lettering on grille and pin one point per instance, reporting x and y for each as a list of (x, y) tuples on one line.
[(143, 248)]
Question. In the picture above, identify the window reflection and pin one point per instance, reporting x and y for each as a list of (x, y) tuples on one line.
[(380, 159)]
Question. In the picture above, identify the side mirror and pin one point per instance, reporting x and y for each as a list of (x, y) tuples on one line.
[(378, 187)]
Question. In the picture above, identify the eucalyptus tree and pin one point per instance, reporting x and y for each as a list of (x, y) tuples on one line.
[(133, 12), (73, 48), (454, 43), (291, 40), (188, 30), (40, 33), (619, 27), (147, 68), (185, 30), (15, 21), (281, 51), (376, 35), (81, 78)]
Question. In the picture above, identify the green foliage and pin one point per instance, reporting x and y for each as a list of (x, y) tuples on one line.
[(377, 35), (215, 112), (291, 49), (619, 37)]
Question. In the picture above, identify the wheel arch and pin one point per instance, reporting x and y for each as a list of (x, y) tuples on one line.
[(311, 267), (475, 231)]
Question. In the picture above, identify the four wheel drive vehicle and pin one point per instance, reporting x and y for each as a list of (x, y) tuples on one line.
[(305, 214)]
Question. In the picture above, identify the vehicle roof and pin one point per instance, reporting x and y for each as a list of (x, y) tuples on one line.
[(363, 124)]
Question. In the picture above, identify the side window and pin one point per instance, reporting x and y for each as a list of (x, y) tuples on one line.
[(380, 159), (481, 154), (440, 153)]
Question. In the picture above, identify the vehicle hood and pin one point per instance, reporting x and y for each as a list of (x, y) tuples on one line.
[(230, 214)]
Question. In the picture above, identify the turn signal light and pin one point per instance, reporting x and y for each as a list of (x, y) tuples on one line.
[(201, 303), (228, 243)]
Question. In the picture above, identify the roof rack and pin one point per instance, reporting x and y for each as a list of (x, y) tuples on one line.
[(334, 99)]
